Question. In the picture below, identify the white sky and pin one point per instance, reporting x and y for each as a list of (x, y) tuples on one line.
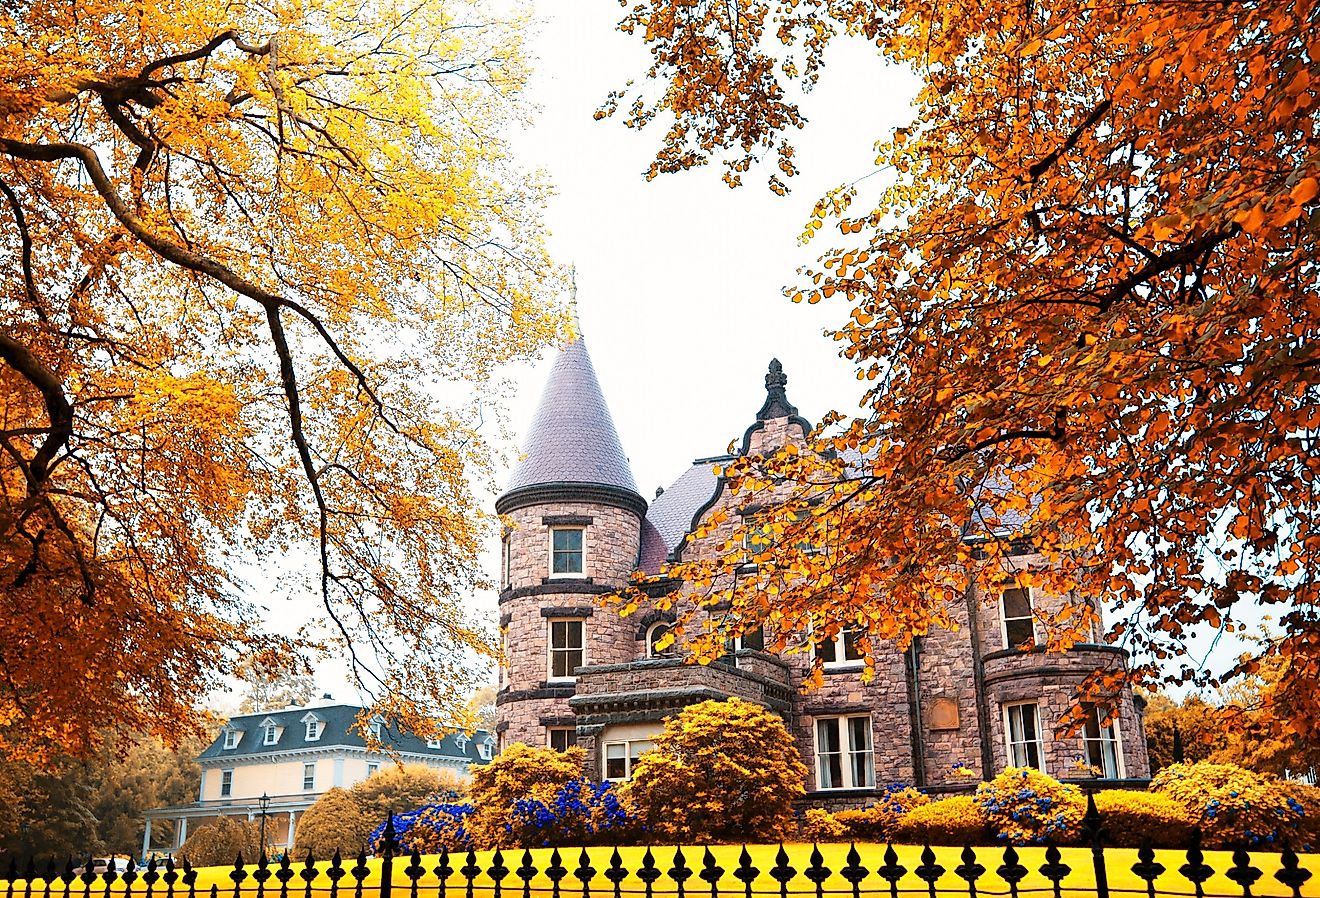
[(680, 279)]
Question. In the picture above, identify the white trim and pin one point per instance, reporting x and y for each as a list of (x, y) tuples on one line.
[(274, 757), (550, 550), (237, 737), (1003, 620), (669, 652), (628, 757), (306, 779), (841, 661), (1008, 735), (550, 647), (847, 751), (1117, 740), (571, 733), (227, 785)]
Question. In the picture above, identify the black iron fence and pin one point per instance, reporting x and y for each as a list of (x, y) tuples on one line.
[(698, 873)]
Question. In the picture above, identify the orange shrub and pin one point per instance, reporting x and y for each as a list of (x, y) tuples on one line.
[(1131, 817)]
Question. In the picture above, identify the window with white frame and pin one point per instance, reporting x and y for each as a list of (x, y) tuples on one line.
[(374, 730), (272, 734), (566, 551), (1022, 732), (842, 650), (845, 753), (309, 777), (435, 742), (1100, 740), (232, 737), (654, 634), (314, 729), (506, 573), (566, 647), (226, 783), (752, 639), (1018, 624), (621, 757), (372, 767), (561, 738), (484, 749)]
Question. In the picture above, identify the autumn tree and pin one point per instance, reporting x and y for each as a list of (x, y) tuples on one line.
[(261, 263), (396, 788), (1082, 299), (221, 841), (266, 688)]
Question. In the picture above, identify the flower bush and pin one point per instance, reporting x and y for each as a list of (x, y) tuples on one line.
[(1306, 833), (819, 825), (428, 829), (1027, 807), (519, 773), (1232, 805), (1132, 817), (950, 821), (877, 822), (720, 770), (581, 813)]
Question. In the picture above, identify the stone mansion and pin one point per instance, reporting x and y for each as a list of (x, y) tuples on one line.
[(577, 673)]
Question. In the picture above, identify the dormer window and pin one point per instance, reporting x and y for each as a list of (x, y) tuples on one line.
[(435, 742), (270, 731), (654, 634), (566, 552), (484, 748), (315, 726), (374, 730), (232, 738)]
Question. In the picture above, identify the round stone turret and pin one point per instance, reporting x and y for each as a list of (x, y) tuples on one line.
[(574, 518)]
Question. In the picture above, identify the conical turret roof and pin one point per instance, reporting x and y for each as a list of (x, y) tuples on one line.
[(572, 440)]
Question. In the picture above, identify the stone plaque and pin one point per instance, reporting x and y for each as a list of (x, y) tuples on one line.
[(944, 713)]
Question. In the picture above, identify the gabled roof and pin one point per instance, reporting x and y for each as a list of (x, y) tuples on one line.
[(338, 731), (572, 438)]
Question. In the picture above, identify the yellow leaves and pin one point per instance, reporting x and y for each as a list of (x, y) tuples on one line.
[(1305, 191)]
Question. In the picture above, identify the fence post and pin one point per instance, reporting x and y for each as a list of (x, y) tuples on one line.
[(1094, 830), (387, 856)]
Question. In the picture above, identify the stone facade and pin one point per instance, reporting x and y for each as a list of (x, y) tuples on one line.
[(930, 714)]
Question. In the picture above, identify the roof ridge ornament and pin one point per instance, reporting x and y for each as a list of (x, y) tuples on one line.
[(575, 323), (776, 400)]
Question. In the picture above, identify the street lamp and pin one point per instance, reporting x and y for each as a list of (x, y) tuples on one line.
[(264, 803)]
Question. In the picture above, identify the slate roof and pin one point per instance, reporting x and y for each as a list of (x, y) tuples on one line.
[(671, 512), (338, 731), (572, 438)]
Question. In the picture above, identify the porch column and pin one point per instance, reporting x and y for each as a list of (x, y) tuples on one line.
[(182, 835), (146, 838), (292, 821)]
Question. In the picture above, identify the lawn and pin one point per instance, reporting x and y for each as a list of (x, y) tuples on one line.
[(1080, 881)]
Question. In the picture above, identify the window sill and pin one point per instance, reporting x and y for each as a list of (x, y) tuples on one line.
[(841, 667)]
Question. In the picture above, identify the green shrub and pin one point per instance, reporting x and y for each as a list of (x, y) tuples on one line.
[(1027, 807), (1132, 817), (719, 771), (958, 820), (1232, 805)]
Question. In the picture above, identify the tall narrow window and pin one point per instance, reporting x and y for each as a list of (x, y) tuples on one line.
[(1022, 727), (845, 757), (565, 648), (506, 575), (314, 728), (226, 783), (1101, 743), (231, 738), (272, 735), (842, 649), (566, 552), (309, 777), (1018, 623)]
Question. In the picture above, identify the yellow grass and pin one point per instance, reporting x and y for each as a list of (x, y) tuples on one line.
[(1080, 882)]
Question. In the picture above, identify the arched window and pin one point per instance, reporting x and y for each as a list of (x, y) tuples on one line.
[(653, 635)]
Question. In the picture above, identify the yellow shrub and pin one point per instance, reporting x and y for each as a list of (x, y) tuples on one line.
[(877, 822), (949, 821), (1131, 817), (518, 772), (719, 771), (1027, 807), (820, 825), (1306, 801), (1231, 804)]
